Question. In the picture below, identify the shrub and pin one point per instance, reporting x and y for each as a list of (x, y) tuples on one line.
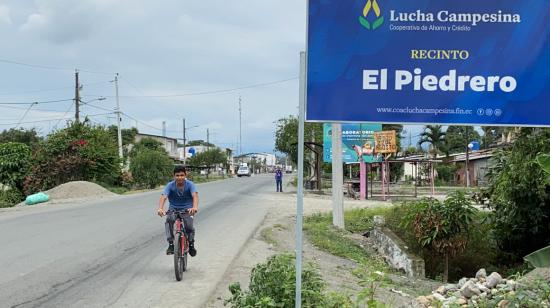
[(520, 194), (10, 197), (151, 168), (443, 227), (445, 173), (481, 250), (14, 164), (272, 284), (78, 152)]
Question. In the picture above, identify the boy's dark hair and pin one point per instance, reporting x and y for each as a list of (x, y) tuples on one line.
[(180, 168)]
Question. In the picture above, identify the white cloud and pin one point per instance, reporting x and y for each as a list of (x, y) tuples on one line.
[(34, 21), (5, 16), (164, 48)]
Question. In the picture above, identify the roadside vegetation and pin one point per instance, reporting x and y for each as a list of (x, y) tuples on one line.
[(82, 152), (273, 284), (454, 238)]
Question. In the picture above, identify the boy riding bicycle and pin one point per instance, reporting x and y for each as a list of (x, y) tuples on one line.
[(182, 195)]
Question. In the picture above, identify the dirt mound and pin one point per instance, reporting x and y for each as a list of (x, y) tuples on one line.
[(77, 189)]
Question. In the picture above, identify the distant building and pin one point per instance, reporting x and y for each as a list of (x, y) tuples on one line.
[(193, 150), (258, 162), (479, 163), (170, 144)]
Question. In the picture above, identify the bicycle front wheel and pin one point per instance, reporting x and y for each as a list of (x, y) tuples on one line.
[(178, 259), (184, 251)]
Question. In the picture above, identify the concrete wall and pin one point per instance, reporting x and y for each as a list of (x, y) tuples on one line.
[(395, 252)]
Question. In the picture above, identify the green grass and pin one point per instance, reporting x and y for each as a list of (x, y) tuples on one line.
[(280, 227), (268, 236), (361, 220), (322, 234), (335, 242), (199, 178)]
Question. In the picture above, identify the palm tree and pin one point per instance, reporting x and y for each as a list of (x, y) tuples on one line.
[(434, 135)]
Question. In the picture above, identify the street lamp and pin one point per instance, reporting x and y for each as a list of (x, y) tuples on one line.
[(93, 100)]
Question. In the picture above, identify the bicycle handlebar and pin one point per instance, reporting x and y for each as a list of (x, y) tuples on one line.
[(186, 211)]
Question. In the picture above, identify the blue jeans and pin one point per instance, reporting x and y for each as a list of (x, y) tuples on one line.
[(279, 185)]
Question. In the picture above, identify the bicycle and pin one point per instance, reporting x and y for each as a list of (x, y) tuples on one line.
[(181, 244)]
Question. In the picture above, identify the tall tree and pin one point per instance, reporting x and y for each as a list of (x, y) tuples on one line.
[(396, 170), (149, 144), (435, 136), (208, 159), (491, 135), (286, 137), (199, 142), (20, 135), (458, 137), (128, 135)]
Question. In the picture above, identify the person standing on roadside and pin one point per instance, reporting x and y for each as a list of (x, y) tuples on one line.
[(279, 180)]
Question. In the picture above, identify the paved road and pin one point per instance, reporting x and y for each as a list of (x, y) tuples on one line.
[(111, 253)]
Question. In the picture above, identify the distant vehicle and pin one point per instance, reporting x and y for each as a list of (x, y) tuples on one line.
[(243, 171), (288, 169)]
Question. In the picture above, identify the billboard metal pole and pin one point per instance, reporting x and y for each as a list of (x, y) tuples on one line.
[(300, 193), (337, 177), (362, 179)]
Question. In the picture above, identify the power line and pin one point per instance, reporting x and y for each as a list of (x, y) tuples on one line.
[(96, 107), (139, 121), (64, 115), (24, 115), (56, 119), (206, 92), (22, 108), (44, 102), (52, 89), (47, 67)]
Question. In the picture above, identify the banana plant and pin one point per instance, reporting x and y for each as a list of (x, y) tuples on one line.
[(544, 161), (541, 257)]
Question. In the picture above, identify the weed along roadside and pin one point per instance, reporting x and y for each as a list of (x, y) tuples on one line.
[(353, 271)]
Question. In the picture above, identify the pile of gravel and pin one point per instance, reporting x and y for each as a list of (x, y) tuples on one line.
[(76, 190), (73, 191)]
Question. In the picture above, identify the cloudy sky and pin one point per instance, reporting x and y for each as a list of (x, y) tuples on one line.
[(175, 58)]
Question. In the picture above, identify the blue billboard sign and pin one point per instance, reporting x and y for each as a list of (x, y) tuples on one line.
[(429, 61), (357, 141)]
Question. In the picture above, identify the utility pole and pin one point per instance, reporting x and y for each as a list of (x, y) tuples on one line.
[(208, 139), (467, 173), (184, 141), (76, 97), (119, 133), (240, 128), (163, 128)]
